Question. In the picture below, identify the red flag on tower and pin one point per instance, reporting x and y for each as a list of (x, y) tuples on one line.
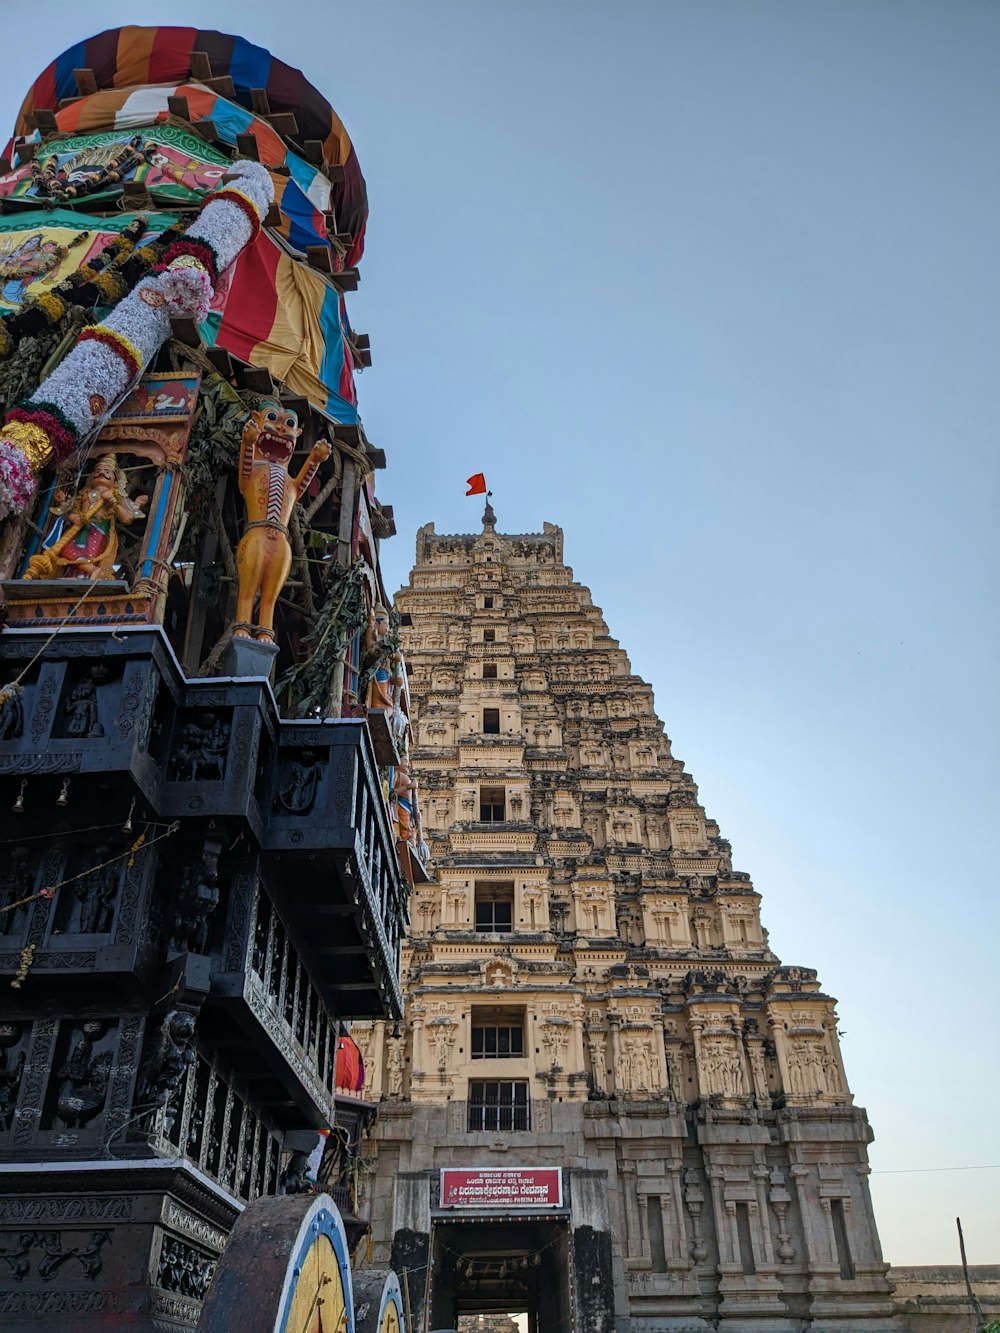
[(477, 485)]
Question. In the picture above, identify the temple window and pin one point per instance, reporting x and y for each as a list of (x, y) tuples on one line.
[(491, 721), (492, 805), (495, 908), (498, 1106), (497, 1034), (489, 671), (489, 636)]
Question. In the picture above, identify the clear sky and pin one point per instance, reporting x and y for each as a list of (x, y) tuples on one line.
[(714, 285)]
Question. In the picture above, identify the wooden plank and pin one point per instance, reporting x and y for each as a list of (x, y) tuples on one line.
[(207, 130), (5, 166), (185, 331), (260, 102), (319, 258), (26, 151), (376, 456), (246, 146), (46, 121), (284, 123), (178, 106), (334, 172), (362, 341), (85, 82), (273, 218), (223, 85), (135, 195), (200, 66), (346, 280), (221, 360), (312, 151), (257, 379)]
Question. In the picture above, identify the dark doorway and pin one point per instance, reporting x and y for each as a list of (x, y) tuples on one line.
[(501, 1265)]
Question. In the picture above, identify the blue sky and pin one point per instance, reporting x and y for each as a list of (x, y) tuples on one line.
[(714, 286)]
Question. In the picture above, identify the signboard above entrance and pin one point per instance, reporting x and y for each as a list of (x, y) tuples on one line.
[(496, 1187)]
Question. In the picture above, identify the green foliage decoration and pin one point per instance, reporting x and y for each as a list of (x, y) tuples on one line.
[(308, 684)]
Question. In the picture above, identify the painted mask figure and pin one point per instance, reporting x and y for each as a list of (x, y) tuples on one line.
[(264, 555)]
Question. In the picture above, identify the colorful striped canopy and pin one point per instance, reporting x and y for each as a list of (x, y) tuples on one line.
[(350, 1065), (304, 196), (133, 57)]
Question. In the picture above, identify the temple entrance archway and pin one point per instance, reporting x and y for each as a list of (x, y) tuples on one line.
[(500, 1264)]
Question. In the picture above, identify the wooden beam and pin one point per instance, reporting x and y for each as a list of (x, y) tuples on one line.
[(85, 82), (46, 121), (223, 85), (346, 280), (185, 331), (296, 403), (284, 123), (246, 146), (207, 130), (349, 434), (334, 172), (260, 102), (178, 106), (376, 456), (200, 66), (257, 379), (319, 258), (26, 150), (273, 218), (5, 166), (362, 341), (344, 238), (221, 360), (312, 151)]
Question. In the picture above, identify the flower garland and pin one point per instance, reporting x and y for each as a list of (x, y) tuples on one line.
[(80, 394)]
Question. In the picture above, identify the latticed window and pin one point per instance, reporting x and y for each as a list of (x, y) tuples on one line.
[(498, 1105)]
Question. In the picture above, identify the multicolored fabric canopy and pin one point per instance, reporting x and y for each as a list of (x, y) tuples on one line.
[(133, 57), (181, 166), (273, 311)]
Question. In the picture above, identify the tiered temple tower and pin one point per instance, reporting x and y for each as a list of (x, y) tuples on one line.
[(609, 1104)]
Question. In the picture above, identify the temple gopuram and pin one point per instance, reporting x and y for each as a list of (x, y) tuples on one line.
[(208, 831), (609, 1106)]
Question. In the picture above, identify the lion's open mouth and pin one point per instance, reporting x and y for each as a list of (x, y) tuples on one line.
[(274, 448)]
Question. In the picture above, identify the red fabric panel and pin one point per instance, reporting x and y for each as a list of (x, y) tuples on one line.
[(253, 297)]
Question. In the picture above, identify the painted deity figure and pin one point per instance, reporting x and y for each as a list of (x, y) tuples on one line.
[(264, 555), (86, 545)]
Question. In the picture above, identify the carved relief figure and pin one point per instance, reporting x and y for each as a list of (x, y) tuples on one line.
[(84, 1076), (96, 891), (721, 1067), (395, 1061), (200, 752), (17, 879), (170, 1054), (264, 555), (86, 545), (11, 1071), (197, 898), (596, 1046), (298, 793), (82, 718), (11, 713)]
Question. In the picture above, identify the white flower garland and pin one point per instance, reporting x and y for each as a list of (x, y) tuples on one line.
[(92, 379)]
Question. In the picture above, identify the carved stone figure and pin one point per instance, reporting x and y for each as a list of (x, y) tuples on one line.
[(11, 713), (82, 717), (394, 1067), (264, 555), (84, 1076), (86, 545), (298, 794), (200, 753), (197, 898), (56, 1254), (295, 1178), (17, 879), (97, 891), (11, 1072), (170, 1054)]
